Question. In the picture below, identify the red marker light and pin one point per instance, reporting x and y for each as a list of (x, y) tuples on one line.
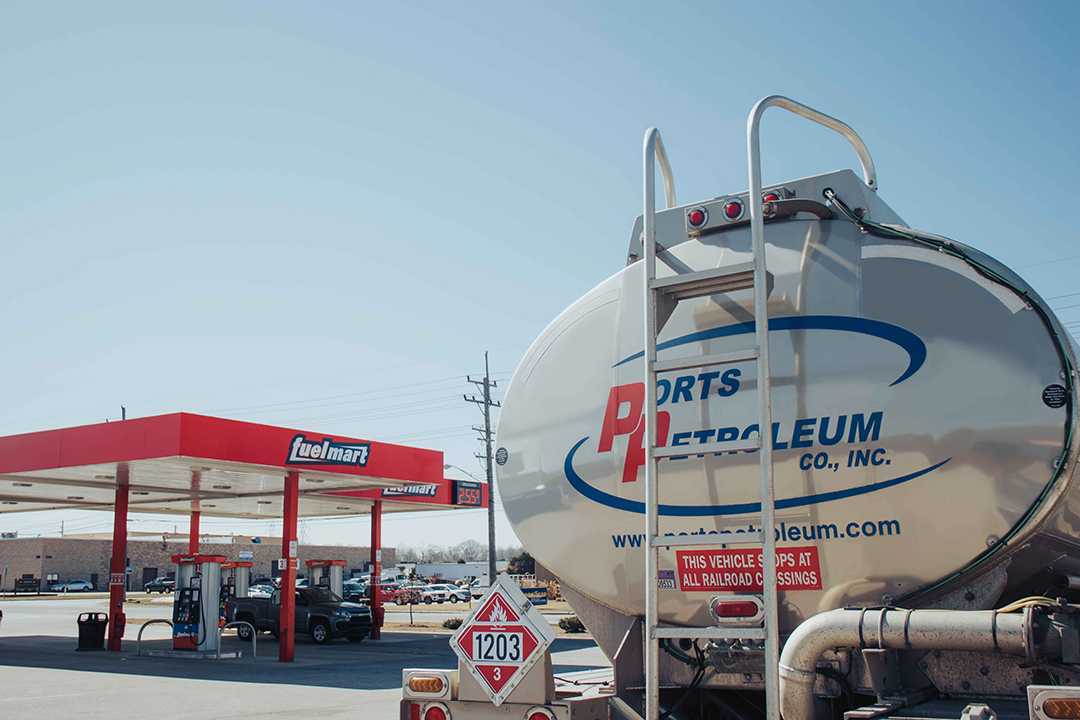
[(540, 714), (736, 609), (771, 197), (697, 217), (435, 712), (733, 210)]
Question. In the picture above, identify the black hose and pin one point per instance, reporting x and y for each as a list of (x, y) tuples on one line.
[(948, 247)]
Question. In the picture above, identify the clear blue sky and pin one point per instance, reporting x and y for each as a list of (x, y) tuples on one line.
[(321, 215)]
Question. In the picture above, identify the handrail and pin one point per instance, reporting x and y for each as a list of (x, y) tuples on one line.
[(654, 151), (254, 636), (138, 640), (654, 147), (869, 174)]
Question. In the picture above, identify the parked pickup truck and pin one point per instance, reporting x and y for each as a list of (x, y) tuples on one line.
[(318, 611)]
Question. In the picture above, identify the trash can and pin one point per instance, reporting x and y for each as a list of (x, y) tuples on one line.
[(92, 631)]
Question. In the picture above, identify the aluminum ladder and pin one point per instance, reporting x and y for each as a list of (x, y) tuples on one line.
[(661, 296)]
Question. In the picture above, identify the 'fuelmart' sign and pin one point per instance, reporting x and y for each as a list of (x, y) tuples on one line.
[(305, 452)]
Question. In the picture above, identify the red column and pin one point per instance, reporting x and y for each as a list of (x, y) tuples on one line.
[(288, 575), (376, 570), (118, 567), (193, 538)]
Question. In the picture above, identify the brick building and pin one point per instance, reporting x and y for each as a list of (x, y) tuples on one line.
[(57, 559)]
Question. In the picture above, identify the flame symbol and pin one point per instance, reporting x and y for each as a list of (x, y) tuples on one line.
[(497, 614)]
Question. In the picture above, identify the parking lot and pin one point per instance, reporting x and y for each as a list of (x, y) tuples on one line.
[(40, 670)]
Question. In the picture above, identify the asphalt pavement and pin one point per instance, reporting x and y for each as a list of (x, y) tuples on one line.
[(41, 673)]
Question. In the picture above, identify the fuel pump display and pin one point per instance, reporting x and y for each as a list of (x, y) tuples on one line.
[(195, 614)]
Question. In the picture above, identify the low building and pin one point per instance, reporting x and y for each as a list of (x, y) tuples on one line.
[(53, 559)]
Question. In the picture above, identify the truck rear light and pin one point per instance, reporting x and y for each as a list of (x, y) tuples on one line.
[(422, 684), (733, 210), (736, 610), (1062, 708), (539, 713), (770, 197), (414, 711), (436, 711), (740, 610), (697, 217)]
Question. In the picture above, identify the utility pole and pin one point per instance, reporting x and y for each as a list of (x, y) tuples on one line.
[(487, 404)]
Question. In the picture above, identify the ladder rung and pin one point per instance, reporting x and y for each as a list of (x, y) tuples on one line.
[(740, 633), (706, 448), (704, 360), (714, 281), (717, 539)]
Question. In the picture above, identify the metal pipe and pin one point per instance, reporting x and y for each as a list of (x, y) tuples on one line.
[(254, 637), (654, 149), (1066, 581), (138, 640), (869, 174), (891, 629), (764, 378)]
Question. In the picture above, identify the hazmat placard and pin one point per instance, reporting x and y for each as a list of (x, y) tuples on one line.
[(740, 569)]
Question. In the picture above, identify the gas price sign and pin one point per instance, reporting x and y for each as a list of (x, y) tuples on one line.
[(468, 493), (502, 639)]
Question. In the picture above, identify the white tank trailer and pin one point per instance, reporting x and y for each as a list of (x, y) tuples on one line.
[(924, 446)]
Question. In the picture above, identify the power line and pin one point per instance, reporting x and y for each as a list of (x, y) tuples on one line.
[(1046, 262)]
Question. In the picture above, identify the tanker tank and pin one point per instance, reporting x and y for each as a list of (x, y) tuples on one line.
[(923, 427)]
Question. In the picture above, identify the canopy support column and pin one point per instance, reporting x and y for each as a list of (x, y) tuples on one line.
[(193, 538), (118, 566), (288, 573), (375, 586)]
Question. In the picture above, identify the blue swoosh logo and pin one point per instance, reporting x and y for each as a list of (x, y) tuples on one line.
[(634, 506), (909, 341)]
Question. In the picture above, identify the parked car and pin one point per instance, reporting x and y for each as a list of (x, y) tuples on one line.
[(477, 589), (160, 585), (73, 586), (261, 590), (409, 594), (318, 611), (433, 594), (361, 593), (451, 593)]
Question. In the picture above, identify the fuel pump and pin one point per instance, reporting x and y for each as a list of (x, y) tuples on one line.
[(328, 574), (234, 582), (236, 576), (196, 601)]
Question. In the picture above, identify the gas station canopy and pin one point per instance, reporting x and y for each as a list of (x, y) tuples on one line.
[(195, 465), (183, 463)]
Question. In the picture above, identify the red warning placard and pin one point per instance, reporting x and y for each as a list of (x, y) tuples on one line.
[(739, 569), (502, 639)]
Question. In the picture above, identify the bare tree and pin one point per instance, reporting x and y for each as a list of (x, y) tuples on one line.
[(408, 554), (508, 551), (469, 551)]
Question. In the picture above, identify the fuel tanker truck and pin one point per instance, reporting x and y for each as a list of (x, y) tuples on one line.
[(917, 473)]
